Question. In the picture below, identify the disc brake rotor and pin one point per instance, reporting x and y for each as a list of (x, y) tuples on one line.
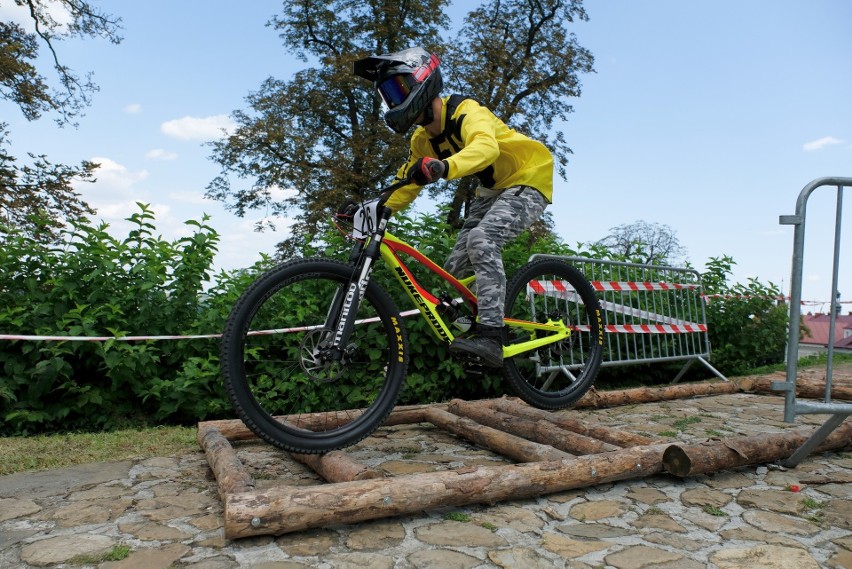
[(316, 360)]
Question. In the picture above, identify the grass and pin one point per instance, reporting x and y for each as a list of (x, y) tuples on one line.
[(42, 452), (457, 516), (117, 553)]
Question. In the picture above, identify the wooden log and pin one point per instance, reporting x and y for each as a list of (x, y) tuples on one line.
[(337, 466), (540, 431), (603, 399), (609, 435), (231, 476), (283, 510), (805, 388), (714, 455), (502, 443), (235, 430)]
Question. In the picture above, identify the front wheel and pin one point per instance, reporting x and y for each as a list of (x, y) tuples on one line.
[(556, 375), (277, 358)]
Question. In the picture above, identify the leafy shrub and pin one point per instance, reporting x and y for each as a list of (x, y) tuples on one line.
[(91, 284), (747, 325)]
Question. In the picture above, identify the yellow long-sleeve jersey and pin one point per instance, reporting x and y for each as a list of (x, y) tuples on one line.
[(474, 141)]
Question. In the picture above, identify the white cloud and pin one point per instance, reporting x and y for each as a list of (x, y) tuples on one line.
[(133, 109), (821, 143), (194, 128), (112, 176), (160, 154)]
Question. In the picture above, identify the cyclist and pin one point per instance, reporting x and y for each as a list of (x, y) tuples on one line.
[(458, 137)]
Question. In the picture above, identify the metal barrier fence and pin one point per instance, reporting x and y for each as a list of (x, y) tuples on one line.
[(651, 313), (838, 411)]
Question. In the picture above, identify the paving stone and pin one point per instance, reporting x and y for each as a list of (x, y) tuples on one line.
[(59, 482), (641, 557), (442, 559), (772, 522), (55, 550), (360, 560), (161, 557), (150, 531), (647, 495), (525, 557), (11, 508), (596, 530), (514, 517), (763, 557), (570, 548), (658, 521), (308, 543), (598, 510), (779, 501), (454, 533), (705, 497), (376, 535)]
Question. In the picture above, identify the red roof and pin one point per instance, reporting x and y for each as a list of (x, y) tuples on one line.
[(818, 325)]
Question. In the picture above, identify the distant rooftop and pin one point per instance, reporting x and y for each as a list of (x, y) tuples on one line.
[(817, 330)]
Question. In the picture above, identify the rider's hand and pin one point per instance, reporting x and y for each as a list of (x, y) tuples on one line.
[(427, 170), (348, 209)]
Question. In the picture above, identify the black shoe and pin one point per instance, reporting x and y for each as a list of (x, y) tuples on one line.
[(486, 346)]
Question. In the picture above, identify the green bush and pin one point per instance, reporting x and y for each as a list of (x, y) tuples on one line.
[(91, 284), (747, 325)]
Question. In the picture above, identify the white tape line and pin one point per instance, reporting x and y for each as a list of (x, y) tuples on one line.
[(196, 337), (563, 290)]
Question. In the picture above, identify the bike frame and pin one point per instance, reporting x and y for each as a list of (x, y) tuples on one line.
[(391, 248)]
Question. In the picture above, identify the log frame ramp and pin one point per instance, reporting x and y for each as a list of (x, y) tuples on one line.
[(545, 452)]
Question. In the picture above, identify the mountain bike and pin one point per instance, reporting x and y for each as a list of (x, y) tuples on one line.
[(314, 353)]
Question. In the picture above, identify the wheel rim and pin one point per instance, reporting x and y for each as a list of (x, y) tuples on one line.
[(558, 369), (284, 372)]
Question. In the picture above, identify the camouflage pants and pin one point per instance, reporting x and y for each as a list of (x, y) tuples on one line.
[(492, 222)]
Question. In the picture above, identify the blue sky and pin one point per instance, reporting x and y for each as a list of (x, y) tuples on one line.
[(709, 117)]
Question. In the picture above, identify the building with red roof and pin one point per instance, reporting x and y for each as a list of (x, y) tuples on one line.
[(815, 332)]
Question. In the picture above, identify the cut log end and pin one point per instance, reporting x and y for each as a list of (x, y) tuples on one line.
[(676, 461)]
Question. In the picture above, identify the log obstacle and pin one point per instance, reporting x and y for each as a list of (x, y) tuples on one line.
[(553, 453)]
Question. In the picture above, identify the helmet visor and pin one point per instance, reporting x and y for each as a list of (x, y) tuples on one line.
[(395, 89)]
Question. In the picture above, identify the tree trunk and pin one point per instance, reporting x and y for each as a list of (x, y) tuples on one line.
[(605, 399), (537, 430), (715, 455), (231, 476), (235, 430), (806, 388), (502, 443), (288, 509), (606, 434), (337, 466)]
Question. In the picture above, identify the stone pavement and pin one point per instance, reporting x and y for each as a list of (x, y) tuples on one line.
[(166, 511)]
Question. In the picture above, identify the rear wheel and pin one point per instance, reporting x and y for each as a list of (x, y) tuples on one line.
[(276, 358), (556, 375)]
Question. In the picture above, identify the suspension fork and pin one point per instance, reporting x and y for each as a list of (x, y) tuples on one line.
[(344, 308)]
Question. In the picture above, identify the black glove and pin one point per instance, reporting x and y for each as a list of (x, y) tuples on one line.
[(427, 170), (348, 209)]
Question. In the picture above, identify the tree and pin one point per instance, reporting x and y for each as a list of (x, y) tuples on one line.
[(647, 243), (38, 198), (53, 21), (322, 133)]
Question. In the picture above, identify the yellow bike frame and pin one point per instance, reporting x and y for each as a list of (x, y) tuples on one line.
[(390, 250)]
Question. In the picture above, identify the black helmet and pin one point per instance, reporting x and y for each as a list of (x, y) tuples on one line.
[(407, 80)]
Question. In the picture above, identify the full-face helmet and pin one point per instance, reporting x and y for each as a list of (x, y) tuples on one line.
[(407, 81)]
